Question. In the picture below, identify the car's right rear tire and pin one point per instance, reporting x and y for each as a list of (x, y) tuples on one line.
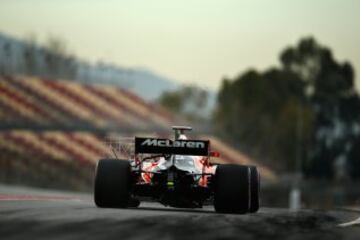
[(255, 189), (112, 183), (236, 189)]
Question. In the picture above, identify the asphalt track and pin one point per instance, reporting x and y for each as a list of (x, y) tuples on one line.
[(27, 213)]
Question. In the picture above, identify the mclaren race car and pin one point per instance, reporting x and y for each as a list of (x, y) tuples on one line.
[(176, 173)]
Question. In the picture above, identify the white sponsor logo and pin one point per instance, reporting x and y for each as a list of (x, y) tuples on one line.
[(169, 143)]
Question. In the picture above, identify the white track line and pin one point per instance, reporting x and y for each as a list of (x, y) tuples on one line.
[(356, 222)]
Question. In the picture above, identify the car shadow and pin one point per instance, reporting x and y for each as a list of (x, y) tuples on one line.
[(170, 209)]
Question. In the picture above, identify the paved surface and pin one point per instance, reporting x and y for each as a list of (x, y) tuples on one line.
[(36, 214)]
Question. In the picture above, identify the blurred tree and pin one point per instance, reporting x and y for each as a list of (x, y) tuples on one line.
[(331, 92), (189, 101), (30, 55), (56, 51), (56, 45), (354, 158), (171, 101), (316, 66), (60, 64), (260, 112), (8, 56)]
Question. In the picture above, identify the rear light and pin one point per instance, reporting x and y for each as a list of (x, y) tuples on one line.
[(214, 154)]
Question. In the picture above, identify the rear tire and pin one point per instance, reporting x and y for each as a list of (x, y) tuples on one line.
[(255, 189), (236, 189), (112, 183)]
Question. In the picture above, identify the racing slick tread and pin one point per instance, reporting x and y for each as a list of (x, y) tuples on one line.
[(112, 183), (233, 189), (255, 189)]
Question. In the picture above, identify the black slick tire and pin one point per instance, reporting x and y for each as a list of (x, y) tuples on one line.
[(112, 183), (236, 189), (255, 189)]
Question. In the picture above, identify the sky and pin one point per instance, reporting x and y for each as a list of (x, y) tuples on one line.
[(190, 41)]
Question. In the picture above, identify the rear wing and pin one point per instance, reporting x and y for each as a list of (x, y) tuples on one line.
[(167, 146)]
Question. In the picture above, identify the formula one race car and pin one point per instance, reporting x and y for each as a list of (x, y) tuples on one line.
[(176, 173)]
